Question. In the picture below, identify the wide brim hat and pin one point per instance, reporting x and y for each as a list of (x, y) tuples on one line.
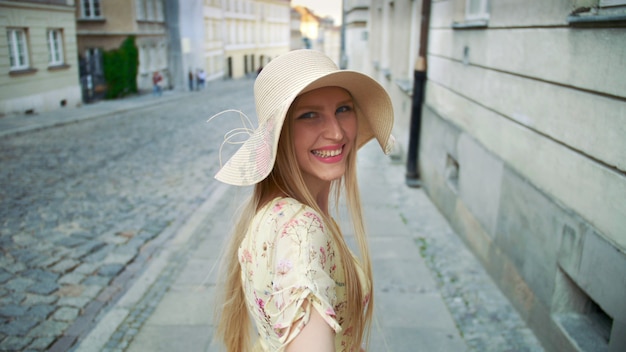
[(279, 83)]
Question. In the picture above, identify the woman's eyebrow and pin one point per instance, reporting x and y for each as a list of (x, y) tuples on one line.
[(314, 106)]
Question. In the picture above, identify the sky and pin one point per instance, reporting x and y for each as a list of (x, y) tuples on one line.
[(322, 8)]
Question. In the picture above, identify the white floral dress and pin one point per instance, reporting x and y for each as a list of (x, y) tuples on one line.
[(289, 266)]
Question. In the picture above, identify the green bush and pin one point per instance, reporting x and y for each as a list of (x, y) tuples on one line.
[(120, 69)]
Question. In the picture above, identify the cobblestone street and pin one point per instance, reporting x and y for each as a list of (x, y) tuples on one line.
[(83, 206)]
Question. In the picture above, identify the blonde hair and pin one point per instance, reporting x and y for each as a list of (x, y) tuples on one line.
[(234, 323)]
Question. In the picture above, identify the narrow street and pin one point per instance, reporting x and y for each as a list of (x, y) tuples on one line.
[(110, 220), (84, 205)]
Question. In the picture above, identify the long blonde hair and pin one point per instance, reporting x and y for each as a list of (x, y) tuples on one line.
[(286, 179)]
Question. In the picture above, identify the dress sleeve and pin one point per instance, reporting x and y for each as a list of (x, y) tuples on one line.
[(303, 266)]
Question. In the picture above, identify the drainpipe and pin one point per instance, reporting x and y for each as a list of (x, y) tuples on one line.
[(412, 177)]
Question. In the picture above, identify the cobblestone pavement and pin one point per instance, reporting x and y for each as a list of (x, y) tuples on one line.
[(83, 206)]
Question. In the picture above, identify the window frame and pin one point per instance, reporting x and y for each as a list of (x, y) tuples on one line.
[(58, 44), (604, 12), (89, 7), (15, 45), (481, 15)]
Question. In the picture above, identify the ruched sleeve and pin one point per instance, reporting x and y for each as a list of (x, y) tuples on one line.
[(302, 277), (289, 268)]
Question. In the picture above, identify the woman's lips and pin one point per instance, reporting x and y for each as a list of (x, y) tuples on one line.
[(329, 154)]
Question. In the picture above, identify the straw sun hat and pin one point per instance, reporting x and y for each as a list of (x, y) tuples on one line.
[(276, 87)]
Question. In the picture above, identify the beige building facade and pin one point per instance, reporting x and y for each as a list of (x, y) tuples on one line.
[(104, 25), (521, 146), (226, 39), (214, 61), (256, 32), (316, 33), (38, 64), (310, 25)]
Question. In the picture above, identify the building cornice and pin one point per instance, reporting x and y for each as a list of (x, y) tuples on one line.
[(116, 33), (36, 6), (357, 8)]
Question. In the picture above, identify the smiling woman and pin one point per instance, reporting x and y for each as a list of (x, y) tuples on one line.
[(288, 267)]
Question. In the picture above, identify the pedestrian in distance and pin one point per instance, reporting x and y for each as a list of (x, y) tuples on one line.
[(191, 78), (287, 267), (157, 81), (201, 79)]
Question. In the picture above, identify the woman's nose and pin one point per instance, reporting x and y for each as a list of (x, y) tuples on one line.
[(332, 128)]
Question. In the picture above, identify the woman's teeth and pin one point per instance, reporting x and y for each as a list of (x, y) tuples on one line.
[(327, 153)]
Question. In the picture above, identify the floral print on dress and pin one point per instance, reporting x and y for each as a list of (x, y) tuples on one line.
[(291, 267)]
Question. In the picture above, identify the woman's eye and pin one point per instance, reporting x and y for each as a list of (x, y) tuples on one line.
[(345, 108), (306, 115)]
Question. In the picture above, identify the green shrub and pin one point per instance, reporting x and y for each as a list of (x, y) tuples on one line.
[(120, 69)]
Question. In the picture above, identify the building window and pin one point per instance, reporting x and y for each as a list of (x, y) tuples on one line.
[(91, 9), (476, 10), (600, 11), (162, 56), (18, 48), (143, 60), (150, 10), (159, 10), (55, 47), (93, 58), (152, 59), (141, 9)]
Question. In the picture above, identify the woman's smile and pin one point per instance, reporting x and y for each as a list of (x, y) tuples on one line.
[(330, 154)]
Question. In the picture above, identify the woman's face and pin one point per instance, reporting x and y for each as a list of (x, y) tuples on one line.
[(324, 128)]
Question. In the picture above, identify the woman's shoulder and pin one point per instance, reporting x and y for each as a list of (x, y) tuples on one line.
[(285, 211), (287, 206)]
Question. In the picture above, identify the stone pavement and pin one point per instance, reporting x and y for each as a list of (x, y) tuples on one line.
[(431, 294)]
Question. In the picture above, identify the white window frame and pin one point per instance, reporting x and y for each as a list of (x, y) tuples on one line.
[(90, 7), (55, 46), (18, 48), (481, 13)]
